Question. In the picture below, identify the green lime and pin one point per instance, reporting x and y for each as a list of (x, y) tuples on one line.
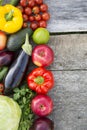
[(41, 36)]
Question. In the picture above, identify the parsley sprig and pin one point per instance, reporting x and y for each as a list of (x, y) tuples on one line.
[(23, 96)]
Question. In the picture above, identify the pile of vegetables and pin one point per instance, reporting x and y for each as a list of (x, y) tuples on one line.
[(24, 98)]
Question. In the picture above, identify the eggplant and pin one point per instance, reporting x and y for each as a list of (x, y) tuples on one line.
[(42, 123), (18, 67), (6, 58)]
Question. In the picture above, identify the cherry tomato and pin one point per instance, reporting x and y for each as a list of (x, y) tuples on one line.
[(23, 3), (25, 24), (37, 17), (31, 3), (21, 8), (39, 1), (43, 7), (42, 23), (46, 16), (34, 25), (35, 10), (31, 18), (25, 17), (28, 11)]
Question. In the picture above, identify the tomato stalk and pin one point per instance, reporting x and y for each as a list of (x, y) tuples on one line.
[(39, 80)]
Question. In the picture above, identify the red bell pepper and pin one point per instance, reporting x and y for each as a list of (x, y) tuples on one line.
[(40, 80)]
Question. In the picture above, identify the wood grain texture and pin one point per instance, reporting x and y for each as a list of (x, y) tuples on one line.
[(66, 15), (70, 100), (70, 51)]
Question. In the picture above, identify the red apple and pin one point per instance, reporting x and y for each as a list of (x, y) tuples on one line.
[(42, 105), (42, 55)]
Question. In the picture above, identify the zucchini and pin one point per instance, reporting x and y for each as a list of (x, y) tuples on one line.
[(14, 2), (16, 40)]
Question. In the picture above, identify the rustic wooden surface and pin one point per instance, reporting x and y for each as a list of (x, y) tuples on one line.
[(66, 15), (70, 91), (70, 64)]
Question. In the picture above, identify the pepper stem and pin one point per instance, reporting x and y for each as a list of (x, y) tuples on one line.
[(9, 15), (39, 80), (27, 46)]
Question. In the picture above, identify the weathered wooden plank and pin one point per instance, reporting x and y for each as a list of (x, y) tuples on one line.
[(70, 100), (66, 15), (70, 51)]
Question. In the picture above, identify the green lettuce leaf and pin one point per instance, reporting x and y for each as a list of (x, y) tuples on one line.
[(10, 113)]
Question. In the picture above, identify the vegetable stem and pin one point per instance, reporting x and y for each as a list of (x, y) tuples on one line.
[(39, 80), (27, 46), (9, 15)]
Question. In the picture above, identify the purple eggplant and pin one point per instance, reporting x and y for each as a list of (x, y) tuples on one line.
[(18, 67), (6, 58), (42, 123)]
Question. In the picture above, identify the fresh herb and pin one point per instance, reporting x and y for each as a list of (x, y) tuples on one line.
[(23, 96)]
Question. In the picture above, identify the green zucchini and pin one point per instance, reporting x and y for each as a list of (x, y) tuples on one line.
[(16, 40), (3, 72), (14, 2)]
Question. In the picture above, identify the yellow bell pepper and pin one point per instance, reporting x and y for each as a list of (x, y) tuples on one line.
[(11, 19)]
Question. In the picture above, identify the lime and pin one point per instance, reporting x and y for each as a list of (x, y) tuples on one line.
[(41, 36)]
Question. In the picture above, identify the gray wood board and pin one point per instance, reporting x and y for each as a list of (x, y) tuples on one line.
[(70, 51), (70, 100), (70, 90), (66, 15)]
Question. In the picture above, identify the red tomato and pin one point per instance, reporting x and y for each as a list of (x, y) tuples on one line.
[(31, 18), (25, 24), (25, 17), (42, 23), (39, 2), (37, 17), (35, 10), (46, 16), (23, 3), (43, 7), (3, 39), (31, 3), (28, 11), (34, 25)]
